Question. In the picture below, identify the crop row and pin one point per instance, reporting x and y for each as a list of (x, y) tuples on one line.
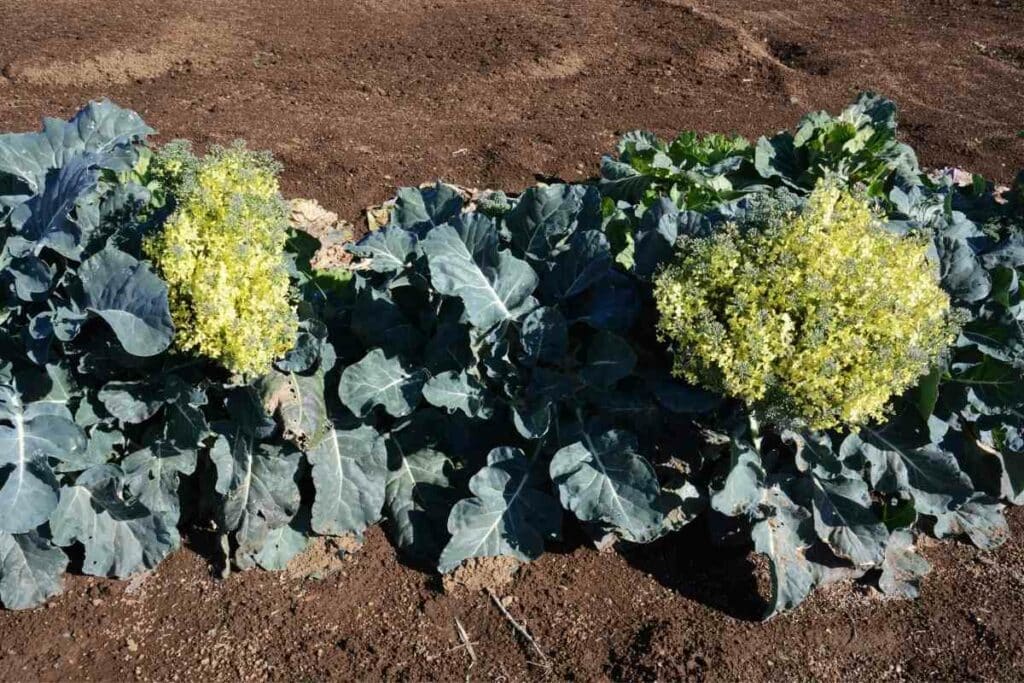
[(807, 344)]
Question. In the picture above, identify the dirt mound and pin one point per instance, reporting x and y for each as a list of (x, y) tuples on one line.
[(183, 45)]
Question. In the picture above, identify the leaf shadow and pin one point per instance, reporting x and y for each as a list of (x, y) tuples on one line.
[(722, 577), (206, 544)]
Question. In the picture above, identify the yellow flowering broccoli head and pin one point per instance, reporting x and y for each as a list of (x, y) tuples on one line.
[(222, 253), (816, 318)]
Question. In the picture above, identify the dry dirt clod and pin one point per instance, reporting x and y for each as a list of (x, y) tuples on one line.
[(307, 215), (482, 573), (322, 558)]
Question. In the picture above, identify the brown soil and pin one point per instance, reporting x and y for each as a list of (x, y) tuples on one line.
[(481, 574), (357, 97)]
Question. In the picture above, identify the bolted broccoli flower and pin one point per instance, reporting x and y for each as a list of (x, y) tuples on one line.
[(817, 318), (222, 255)]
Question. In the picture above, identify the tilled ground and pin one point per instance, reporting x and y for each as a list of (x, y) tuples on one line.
[(357, 97)]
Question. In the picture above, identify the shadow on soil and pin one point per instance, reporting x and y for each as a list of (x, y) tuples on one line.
[(687, 562)]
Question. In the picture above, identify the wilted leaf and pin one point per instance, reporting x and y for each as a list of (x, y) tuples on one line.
[(903, 568)]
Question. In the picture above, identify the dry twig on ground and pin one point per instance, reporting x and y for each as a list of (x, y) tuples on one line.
[(519, 627)]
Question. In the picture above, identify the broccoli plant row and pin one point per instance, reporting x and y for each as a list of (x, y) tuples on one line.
[(487, 370)]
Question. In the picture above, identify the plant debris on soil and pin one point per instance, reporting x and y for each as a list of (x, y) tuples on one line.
[(357, 98)]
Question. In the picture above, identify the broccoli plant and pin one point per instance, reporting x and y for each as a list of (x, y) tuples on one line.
[(484, 372), (505, 365), (831, 501), (111, 433)]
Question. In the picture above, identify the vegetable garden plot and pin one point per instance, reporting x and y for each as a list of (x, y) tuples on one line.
[(485, 372)]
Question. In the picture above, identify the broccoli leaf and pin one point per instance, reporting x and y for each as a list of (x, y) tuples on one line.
[(492, 292), (349, 473), (418, 498), (29, 438), (903, 568), (506, 517), (120, 538), (602, 478), (377, 380), (129, 297), (31, 570), (783, 537)]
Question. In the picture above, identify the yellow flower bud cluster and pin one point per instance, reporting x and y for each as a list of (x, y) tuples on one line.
[(817, 318), (222, 254)]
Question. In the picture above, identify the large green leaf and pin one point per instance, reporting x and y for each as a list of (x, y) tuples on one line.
[(814, 453), (980, 519), (507, 516), (349, 475), (377, 380), (45, 219), (743, 487), (656, 237), (776, 157), (930, 473), (603, 479), (962, 273), (843, 518), (457, 391), (544, 336), (31, 275), (544, 216), (132, 402), (420, 208), (99, 128), (120, 538), (257, 485), (491, 292), (387, 249), (1000, 336), (129, 296), (153, 473), (992, 386), (105, 444), (29, 438), (31, 570), (585, 261), (418, 498), (619, 180)]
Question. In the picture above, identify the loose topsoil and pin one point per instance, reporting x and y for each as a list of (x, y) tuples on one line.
[(359, 96)]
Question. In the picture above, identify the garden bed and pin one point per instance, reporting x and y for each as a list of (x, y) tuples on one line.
[(629, 657)]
